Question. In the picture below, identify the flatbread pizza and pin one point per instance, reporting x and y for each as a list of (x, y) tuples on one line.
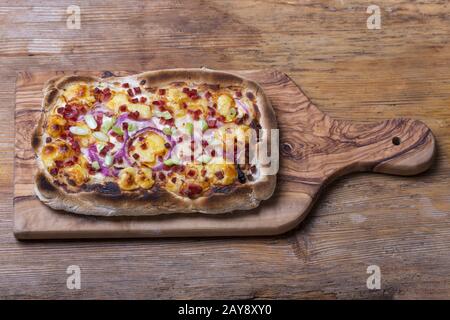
[(180, 140)]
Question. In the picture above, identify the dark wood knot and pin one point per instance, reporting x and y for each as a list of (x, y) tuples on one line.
[(286, 148)]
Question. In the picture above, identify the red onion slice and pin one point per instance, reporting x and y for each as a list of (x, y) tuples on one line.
[(93, 156)]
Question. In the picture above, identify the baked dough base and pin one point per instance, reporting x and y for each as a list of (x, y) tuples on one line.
[(109, 200)]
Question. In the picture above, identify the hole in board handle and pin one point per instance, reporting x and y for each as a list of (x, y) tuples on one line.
[(396, 141)]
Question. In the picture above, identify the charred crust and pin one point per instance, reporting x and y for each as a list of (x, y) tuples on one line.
[(51, 96), (70, 79), (153, 194), (224, 189), (35, 140), (110, 189), (107, 74), (44, 184)]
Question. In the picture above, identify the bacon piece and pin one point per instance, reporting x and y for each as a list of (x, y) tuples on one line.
[(219, 175), (211, 123), (192, 190)]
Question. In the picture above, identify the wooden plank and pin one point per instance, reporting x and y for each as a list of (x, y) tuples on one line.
[(347, 70)]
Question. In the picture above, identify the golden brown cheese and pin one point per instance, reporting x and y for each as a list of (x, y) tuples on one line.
[(127, 179)]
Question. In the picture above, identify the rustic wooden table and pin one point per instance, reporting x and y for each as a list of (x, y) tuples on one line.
[(400, 224)]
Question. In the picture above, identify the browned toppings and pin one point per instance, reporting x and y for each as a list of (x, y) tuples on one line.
[(159, 103), (144, 146), (191, 190), (137, 90), (221, 118), (48, 140), (238, 94), (69, 163), (134, 100), (135, 156), (219, 175), (102, 95), (241, 175), (106, 148), (54, 171), (123, 108), (167, 145), (211, 123), (191, 93), (195, 113), (162, 92), (142, 99), (125, 85), (250, 95), (191, 173), (134, 115), (130, 92), (161, 176), (143, 81)]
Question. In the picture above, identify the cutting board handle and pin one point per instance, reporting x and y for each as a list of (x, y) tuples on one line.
[(396, 146)]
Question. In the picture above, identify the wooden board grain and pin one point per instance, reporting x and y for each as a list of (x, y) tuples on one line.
[(350, 72), (314, 150)]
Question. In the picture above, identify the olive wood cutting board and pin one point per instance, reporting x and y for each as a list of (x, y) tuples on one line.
[(314, 150)]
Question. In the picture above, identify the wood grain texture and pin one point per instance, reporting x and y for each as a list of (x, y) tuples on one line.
[(315, 150), (350, 72)]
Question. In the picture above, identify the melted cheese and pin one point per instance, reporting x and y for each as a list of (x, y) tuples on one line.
[(55, 126), (58, 150), (79, 93), (121, 98), (76, 174), (228, 171), (127, 179), (144, 178), (150, 148), (226, 107)]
